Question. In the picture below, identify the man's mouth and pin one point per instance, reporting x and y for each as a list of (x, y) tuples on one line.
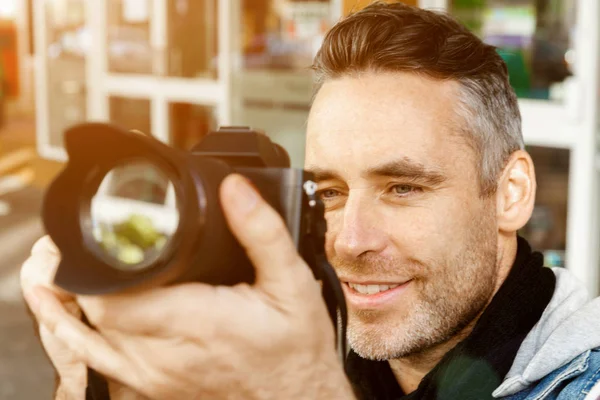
[(373, 294), (371, 289)]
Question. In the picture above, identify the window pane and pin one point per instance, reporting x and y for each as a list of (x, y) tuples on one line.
[(128, 42), (66, 39), (131, 113), (273, 85), (189, 123), (192, 38), (282, 35), (547, 229), (534, 37)]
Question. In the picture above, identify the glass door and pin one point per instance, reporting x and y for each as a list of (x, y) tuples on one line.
[(158, 66), (61, 42), (275, 43), (547, 228), (534, 37), (171, 56), (192, 39), (130, 47)]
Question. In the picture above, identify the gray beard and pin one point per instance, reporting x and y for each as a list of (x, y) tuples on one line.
[(428, 325), (441, 309)]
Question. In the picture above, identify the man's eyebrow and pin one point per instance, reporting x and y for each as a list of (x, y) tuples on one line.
[(407, 168), (322, 174), (402, 168)]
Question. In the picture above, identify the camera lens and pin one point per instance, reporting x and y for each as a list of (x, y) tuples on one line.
[(133, 215)]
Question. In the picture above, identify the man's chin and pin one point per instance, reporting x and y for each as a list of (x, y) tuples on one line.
[(373, 341), (374, 336), (383, 349), (369, 354)]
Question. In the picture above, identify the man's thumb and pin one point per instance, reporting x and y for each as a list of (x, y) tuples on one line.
[(264, 236)]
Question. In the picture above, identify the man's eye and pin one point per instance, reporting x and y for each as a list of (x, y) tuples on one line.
[(403, 190), (327, 194)]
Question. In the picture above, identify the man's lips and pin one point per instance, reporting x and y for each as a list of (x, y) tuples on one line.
[(373, 294), (362, 281)]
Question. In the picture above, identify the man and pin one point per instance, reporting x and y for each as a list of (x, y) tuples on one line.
[(415, 139)]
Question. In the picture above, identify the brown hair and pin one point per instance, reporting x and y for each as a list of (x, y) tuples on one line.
[(394, 37)]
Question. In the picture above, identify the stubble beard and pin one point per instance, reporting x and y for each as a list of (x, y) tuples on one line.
[(450, 297)]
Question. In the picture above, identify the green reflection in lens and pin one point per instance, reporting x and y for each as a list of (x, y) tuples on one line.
[(134, 215)]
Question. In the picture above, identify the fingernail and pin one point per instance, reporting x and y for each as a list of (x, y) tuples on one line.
[(244, 197), (32, 300)]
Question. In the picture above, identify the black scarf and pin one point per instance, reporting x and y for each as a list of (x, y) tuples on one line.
[(478, 364)]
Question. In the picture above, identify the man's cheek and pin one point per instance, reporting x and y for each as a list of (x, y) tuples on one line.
[(447, 219), (413, 227), (447, 229)]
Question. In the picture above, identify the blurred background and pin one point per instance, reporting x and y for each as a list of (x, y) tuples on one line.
[(176, 69)]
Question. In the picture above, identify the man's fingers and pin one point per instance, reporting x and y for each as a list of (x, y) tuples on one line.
[(40, 268), (186, 309), (263, 234), (84, 343), (72, 372), (41, 265), (44, 245)]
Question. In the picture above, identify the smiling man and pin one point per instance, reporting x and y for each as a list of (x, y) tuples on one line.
[(415, 140)]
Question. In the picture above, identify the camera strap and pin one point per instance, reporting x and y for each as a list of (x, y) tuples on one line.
[(332, 291), (336, 305), (97, 385)]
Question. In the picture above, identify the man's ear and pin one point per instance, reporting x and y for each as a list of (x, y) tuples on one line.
[(515, 197)]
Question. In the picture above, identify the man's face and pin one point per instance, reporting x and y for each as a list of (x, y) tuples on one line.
[(409, 235)]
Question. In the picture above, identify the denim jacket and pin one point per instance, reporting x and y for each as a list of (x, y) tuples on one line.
[(560, 358), (574, 381)]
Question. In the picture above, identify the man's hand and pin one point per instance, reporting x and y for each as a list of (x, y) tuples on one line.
[(39, 270), (270, 340)]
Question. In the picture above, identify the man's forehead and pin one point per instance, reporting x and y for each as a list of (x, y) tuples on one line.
[(379, 93), (380, 117)]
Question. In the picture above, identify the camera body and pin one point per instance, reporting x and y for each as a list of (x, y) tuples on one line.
[(200, 247)]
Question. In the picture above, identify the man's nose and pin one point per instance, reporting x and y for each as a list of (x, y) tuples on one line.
[(360, 231)]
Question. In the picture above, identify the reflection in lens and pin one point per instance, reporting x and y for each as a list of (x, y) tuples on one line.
[(134, 215)]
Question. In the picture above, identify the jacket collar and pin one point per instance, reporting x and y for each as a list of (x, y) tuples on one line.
[(563, 336)]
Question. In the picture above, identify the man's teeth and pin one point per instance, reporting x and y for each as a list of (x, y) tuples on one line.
[(371, 289)]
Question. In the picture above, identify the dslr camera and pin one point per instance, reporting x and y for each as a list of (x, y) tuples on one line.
[(130, 212)]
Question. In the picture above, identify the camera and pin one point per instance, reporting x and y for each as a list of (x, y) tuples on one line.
[(130, 212)]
